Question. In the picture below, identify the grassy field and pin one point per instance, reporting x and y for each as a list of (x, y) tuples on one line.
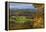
[(19, 22)]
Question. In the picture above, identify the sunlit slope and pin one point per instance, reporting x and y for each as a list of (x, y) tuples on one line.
[(22, 19)]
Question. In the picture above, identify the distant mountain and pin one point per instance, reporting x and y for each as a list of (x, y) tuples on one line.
[(29, 11), (32, 10)]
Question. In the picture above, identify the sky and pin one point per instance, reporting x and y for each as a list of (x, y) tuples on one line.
[(20, 6)]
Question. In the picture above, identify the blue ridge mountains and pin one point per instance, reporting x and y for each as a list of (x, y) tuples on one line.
[(16, 9)]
